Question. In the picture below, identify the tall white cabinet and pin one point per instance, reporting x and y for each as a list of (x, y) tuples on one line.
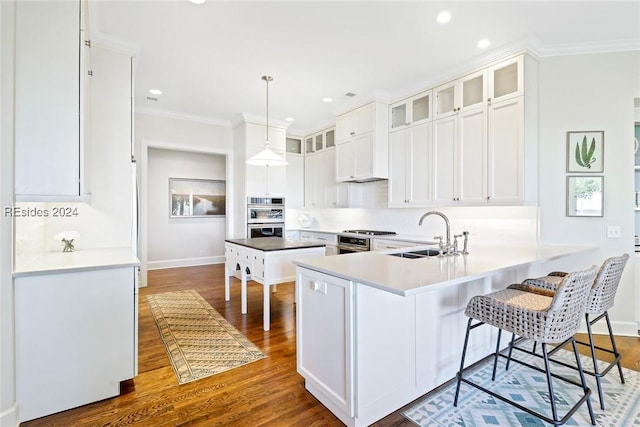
[(321, 190), (484, 136), (49, 135)]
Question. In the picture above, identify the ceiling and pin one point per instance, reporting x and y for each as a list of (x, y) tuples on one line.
[(208, 59)]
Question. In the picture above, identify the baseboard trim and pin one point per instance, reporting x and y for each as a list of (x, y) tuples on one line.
[(185, 262), (627, 329), (9, 417)]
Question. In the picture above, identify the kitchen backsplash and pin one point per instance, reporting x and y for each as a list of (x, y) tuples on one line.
[(486, 224)]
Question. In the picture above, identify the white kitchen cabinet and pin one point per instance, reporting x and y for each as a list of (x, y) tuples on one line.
[(49, 141), (329, 239), (506, 79), (321, 188), (294, 196), (324, 321), (460, 158), (263, 180), (386, 244), (410, 166), (362, 144), (293, 145), (410, 111), (320, 140), (505, 151), (479, 150), (76, 338), (466, 92)]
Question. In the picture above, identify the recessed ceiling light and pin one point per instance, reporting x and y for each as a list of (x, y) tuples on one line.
[(327, 99), (155, 91), (197, 1), (289, 119), (484, 43), (443, 17)]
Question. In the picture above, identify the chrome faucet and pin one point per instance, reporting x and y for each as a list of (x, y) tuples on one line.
[(446, 221)]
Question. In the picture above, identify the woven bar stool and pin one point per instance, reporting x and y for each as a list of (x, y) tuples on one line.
[(601, 298), (541, 318)]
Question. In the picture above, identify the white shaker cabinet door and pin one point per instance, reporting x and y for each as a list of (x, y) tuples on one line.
[(325, 336), (47, 99)]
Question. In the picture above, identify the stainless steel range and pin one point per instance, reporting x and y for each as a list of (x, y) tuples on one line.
[(350, 241)]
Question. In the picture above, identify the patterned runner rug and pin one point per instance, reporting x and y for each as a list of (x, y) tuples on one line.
[(529, 388), (199, 341)]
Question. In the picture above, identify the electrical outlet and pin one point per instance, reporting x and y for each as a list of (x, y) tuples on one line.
[(613, 232)]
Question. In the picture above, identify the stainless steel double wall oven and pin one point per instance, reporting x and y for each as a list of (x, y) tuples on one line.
[(265, 217)]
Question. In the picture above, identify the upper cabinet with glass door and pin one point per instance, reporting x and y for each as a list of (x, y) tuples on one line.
[(461, 94), (319, 141), (505, 80), (410, 111)]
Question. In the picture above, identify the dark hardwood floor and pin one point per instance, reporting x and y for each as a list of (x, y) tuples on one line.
[(268, 392)]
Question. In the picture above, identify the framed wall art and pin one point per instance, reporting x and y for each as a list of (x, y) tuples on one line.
[(585, 151), (585, 195), (197, 198)]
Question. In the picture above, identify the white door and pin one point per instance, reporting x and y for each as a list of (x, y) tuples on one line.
[(471, 165), (420, 166), (444, 140), (398, 157), (505, 151)]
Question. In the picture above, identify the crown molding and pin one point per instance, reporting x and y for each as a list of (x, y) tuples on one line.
[(181, 116), (258, 120), (610, 46)]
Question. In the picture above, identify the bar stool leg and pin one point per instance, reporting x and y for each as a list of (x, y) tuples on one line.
[(513, 338), (495, 356), (552, 398), (464, 353), (613, 345), (596, 371), (582, 379)]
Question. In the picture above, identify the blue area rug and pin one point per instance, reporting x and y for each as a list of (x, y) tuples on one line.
[(529, 388)]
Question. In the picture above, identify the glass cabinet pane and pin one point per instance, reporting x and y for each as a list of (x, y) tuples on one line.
[(330, 138), (505, 80), (420, 108), (472, 91), (445, 100), (398, 115), (319, 139), (294, 145), (308, 145)]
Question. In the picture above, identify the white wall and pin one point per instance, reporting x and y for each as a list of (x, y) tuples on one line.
[(592, 92), (181, 241)]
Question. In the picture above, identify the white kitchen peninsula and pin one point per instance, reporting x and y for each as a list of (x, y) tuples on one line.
[(76, 328), (375, 331)]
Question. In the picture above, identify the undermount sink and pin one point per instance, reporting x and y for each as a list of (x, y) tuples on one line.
[(424, 253)]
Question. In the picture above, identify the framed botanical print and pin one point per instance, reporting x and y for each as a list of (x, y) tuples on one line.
[(585, 151)]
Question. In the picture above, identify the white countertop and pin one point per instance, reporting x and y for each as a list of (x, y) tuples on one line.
[(405, 277), (85, 259)]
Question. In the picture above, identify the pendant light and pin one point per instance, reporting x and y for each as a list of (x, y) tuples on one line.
[(267, 157)]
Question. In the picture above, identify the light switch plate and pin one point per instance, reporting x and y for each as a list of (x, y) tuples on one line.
[(613, 232)]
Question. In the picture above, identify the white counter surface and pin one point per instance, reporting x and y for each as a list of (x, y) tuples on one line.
[(405, 277), (85, 259)]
